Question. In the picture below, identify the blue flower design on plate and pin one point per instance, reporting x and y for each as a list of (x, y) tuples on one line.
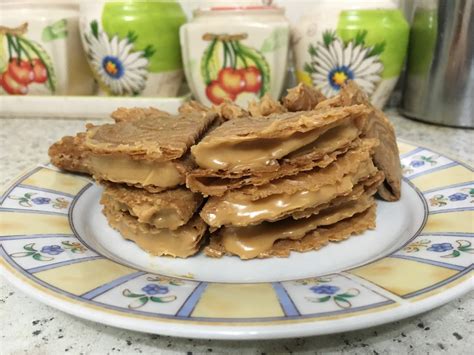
[(417, 163), (325, 289), (440, 247), (458, 196), (154, 289), (52, 249), (41, 200)]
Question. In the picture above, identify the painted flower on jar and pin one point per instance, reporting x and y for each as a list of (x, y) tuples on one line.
[(334, 62), (118, 66)]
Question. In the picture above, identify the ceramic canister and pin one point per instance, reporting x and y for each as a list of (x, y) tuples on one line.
[(133, 46), (364, 41), (236, 53), (41, 51)]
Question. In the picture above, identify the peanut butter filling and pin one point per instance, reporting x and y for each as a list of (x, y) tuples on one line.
[(250, 153), (142, 172), (244, 211), (249, 242)]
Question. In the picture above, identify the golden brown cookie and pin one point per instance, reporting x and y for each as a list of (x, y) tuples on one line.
[(302, 98), (386, 155), (279, 198), (181, 243), (258, 143), (70, 153), (266, 106), (167, 209), (149, 152), (279, 238), (132, 114)]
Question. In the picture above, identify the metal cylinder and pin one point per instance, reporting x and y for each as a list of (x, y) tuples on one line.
[(439, 82)]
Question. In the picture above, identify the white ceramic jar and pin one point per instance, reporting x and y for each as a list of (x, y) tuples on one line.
[(41, 51), (236, 53), (133, 46), (360, 40)]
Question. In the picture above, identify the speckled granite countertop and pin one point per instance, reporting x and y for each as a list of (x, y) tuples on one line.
[(28, 326)]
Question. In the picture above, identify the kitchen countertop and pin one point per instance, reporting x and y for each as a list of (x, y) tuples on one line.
[(28, 326)]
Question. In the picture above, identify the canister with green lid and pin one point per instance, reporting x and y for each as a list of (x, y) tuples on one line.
[(365, 41)]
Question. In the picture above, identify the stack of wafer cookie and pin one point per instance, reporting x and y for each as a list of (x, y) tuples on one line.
[(289, 177), (142, 161), (270, 179)]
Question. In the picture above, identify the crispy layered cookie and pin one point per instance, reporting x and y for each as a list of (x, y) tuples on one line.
[(191, 107), (280, 238), (386, 155), (366, 186), (132, 114), (229, 110), (168, 209), (251, 204), (321, 153), (70, 153), (266, 106), (256, 144), (302, 98), (180, 167), (146, 152), (182, 242)]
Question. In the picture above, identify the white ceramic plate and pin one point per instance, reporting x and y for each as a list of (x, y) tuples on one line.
[(57, 247)]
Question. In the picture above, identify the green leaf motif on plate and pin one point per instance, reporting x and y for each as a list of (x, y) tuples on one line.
[(463, 246), (150, 292), (331, 292)]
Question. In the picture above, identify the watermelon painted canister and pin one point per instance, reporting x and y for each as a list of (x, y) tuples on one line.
[(133, 46), (365, 41)]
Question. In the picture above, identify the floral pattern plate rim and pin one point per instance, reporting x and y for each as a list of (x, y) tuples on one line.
[(43, 256)]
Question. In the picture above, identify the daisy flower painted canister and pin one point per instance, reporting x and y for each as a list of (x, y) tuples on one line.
[(365, 41), (133, 46)]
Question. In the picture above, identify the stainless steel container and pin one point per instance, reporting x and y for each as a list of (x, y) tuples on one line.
[(439, 82)]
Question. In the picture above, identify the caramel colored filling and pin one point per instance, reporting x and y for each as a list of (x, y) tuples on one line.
[(163, 241), (244, 211), (330, 141), (257, 152), (166, 218), (249, 242), (125, 170), (181, 242), (248, 212), (158, 217)]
